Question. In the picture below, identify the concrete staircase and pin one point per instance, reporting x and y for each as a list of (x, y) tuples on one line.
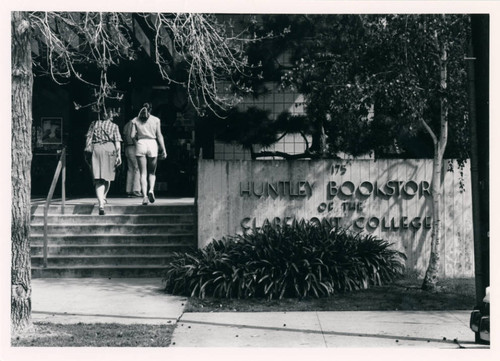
[(131, 240)]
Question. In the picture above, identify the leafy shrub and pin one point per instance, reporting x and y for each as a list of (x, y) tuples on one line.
[(299, 260)]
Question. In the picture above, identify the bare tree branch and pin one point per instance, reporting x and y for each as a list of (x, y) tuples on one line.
[(198, 43)]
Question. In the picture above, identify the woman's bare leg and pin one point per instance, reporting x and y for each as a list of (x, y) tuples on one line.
[(142, 163), (151, 167), (100, 191)]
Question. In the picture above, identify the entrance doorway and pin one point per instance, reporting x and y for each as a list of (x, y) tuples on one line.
[(176, 176)]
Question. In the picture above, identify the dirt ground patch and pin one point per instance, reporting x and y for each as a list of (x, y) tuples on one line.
[(454, 294)]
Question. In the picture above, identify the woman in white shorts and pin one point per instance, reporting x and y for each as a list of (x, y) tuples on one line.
[(146, 133)]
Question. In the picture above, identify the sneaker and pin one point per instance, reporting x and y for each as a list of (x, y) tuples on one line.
[(130, 195), (136, 194), (101, 211), (145, 201), (151, 197)]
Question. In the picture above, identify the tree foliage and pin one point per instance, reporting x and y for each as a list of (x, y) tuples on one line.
[(254, 127), (370, 80)]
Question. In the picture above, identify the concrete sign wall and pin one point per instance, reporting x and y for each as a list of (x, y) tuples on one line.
[(387, 198)]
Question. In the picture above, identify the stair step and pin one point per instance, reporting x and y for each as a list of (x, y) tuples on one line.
[(93, 209), (103, 260), (160, 218), (131, 240), (98, 271), (186, 238), (113, 228), (108, 249)]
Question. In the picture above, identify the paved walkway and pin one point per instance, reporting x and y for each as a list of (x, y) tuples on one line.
[(444, 329), (91, 300), (140, 300)]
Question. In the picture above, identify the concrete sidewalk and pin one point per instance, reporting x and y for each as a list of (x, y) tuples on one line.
[(142, 301), (426, 329), (103, 300)]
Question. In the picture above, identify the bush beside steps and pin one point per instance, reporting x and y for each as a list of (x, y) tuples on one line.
[(299, 260)]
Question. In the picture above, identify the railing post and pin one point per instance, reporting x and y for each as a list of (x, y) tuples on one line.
[(47, 206), (45, 236), (63, 180)]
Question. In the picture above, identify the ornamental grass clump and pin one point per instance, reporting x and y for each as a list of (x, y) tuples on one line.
[(300, 260)]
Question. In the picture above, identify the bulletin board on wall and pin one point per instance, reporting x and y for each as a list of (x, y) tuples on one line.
[(48, 134)]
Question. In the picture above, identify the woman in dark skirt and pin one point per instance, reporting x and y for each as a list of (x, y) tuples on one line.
[(106, 156)]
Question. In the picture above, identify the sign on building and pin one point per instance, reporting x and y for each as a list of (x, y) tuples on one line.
[(390, 199)]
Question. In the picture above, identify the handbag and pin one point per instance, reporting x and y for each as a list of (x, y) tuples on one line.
[(89, 146)]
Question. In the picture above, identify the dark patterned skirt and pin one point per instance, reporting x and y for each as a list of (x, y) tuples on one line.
[(104, 161)]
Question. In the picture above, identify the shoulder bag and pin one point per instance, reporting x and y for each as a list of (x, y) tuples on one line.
[(89, 147)]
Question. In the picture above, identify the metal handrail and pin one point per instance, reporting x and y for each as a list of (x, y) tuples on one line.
[(61, 167)]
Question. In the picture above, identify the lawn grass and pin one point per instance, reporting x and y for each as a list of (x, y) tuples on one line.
[(96, 335), (403, 295)]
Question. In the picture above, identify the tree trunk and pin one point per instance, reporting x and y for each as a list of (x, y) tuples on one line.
[(318, 143), (22, 88), (478, 76), (432, 273)]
